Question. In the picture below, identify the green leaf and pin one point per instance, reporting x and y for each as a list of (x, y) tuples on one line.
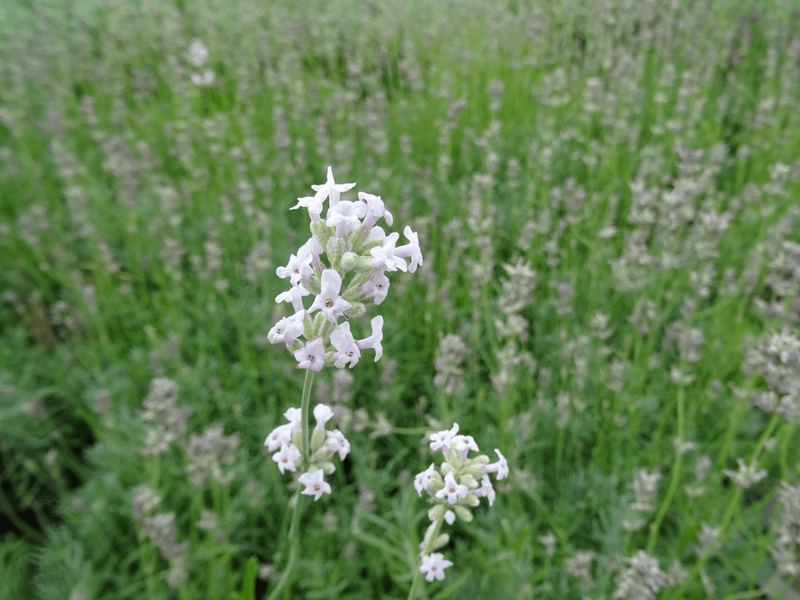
[(249, 581)]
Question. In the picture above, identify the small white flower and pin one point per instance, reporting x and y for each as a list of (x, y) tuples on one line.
[(338, 443), (298, 270), (421, 480), (747, 474), (450, 517), (323, 414), (315, 484), (442, 439), (313, 204), (311, 355), (434, 565), (346, 349), (410, 250), (464, 443), (500, 467), (294, 295), (314, 248), (204, 78), (328, 300), (295, 418), (346, 216), (452, 490), (279, 436), (287, 329), (374, 341), (198, 53), (385, 256), (332, 190), (286, 457), (375, 210), (377, 287), (486, 490)]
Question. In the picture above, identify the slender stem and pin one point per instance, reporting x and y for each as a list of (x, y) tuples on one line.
[(674, 479), (294, 539), (412, 593), (418, 562), (294, 528), (304, 411)]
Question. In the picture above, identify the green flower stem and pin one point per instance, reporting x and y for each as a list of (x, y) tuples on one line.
[(418, 562), (674, 479), (732, 504), (305, 407), (294, 528), (294, 541), (415, 582)]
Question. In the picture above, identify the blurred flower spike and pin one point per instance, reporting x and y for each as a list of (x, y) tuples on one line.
[(453, 489), (197, 55)]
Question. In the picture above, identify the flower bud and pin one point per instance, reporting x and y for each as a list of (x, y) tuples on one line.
[(356, 310), (440, 541), (317, 439), (473, 471), (349, 260), (322, 232), (436, 512), (463, 513), (428, 537), (468, 480), (297, 440), (335, 248), (358, 237), (472, 499)]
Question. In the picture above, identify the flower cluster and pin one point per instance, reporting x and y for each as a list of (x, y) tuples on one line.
[(350, 242), (456, 486), (287, 442), (197, 55)]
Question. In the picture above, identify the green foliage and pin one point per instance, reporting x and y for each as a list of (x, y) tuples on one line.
[(642, 160)]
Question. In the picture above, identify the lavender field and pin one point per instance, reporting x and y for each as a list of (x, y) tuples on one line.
[(401, 299)]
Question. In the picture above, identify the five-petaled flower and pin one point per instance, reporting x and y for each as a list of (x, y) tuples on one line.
[(452, 490), (328, 300), (433, 565), (311, 355), (315, 484), (286, 457)]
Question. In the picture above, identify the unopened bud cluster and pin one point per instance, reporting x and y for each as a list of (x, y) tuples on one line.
[(454, 488), (287, 442), (350, 242)]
